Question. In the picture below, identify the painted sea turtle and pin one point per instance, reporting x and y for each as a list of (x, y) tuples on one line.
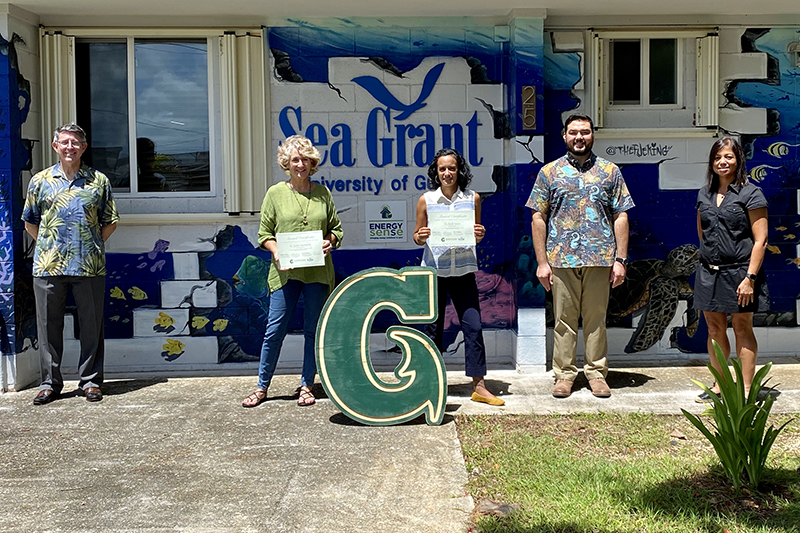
[(653, 288)]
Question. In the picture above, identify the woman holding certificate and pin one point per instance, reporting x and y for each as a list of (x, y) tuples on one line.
[(449, 226), (300, 227)]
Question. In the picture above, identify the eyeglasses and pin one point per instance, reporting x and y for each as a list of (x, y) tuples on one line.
[(70, 142)]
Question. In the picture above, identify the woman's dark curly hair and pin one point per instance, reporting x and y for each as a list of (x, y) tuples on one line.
[(712, 180), (464, 173)]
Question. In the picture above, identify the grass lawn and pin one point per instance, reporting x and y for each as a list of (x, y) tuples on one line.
[(614, 473)]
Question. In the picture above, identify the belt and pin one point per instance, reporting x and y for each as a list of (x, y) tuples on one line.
[(724, 267)]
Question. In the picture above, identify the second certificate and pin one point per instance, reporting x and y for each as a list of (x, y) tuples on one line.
[(452, 228), (300, 249)]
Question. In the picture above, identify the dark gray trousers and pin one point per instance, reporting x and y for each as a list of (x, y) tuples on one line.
[(51, 295)]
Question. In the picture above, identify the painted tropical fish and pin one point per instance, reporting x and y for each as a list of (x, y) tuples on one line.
[(795, 261), (379, 92), (137, 293), (220, 324), (172, 349), (779, 149), (781, 228), (164, 320), (774, 249), (116, 292), (760, 172), (789, 237), (199, 322)]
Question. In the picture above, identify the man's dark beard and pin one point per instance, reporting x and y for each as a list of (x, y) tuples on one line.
[(587, 149)]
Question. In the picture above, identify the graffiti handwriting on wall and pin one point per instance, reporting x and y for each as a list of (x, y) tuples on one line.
[(640, 150)]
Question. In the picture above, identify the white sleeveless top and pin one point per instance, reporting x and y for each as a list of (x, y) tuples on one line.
[(450, 261)]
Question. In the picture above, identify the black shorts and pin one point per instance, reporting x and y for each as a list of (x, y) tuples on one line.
[(715, 290)]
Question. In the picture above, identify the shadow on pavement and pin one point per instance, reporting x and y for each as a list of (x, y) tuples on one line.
[(464, 390), (117, 387), (343, 420)]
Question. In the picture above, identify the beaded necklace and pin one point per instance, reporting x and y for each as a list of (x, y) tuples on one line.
[(308, 204)]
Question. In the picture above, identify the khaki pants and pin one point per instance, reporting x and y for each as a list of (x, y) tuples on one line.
[(580, 292)]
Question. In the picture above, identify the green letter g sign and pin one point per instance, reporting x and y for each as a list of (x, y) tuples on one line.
[(343, 347)]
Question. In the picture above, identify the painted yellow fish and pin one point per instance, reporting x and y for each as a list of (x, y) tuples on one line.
[(779, 149), (199, 322), (781, 228), (795, 261), (115, 318), (760, 172), (164, 320), (774, 249), (173, 347), (220, 324), (116, 292), (789, 237), (137, 293)]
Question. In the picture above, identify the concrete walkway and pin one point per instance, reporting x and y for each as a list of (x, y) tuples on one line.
[(653, 390), (182, 455)]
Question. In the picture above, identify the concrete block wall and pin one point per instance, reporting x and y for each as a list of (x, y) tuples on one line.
[(188, 276), (453, 101)]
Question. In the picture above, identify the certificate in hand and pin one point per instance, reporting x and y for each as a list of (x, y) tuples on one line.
[(300, 249), (452, 228)]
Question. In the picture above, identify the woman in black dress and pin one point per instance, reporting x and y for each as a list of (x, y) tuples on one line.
[(732, 227)]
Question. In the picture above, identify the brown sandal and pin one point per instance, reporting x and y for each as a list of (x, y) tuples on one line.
[(306, 397), (255, 399)]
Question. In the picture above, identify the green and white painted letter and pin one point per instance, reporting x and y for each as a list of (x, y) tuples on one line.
[(343, 358)]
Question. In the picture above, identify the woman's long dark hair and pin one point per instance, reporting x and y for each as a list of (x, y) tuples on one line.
[(464, 173), (712, 180)]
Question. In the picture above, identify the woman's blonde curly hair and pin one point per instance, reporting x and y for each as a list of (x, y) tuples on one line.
[(304, 147)]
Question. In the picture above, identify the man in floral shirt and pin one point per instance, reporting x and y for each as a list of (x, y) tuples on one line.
[(580, 236), (69, 211)]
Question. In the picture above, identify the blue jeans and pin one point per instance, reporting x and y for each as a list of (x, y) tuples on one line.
[(281, 306)]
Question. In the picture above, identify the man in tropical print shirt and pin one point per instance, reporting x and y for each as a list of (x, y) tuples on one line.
[(580, 237), (69, 211)]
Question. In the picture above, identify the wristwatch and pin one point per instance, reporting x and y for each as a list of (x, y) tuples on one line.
[(750, 276), (623, 260)]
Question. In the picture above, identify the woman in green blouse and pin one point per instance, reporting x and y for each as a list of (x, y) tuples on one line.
[(292, 206)]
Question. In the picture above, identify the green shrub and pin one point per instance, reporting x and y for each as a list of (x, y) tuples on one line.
[(740, 434)]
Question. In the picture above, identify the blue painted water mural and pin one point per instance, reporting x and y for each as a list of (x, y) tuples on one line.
[(395, 49), (774, 164), (16, 298)]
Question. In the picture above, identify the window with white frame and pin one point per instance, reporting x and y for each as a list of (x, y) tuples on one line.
[(653, 80), (147, 119), (645, 72), (177, 120)]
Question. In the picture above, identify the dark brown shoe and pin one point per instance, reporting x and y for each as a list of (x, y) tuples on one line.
[(600, 388), (93, 394), (45, 396), (563, 388)]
